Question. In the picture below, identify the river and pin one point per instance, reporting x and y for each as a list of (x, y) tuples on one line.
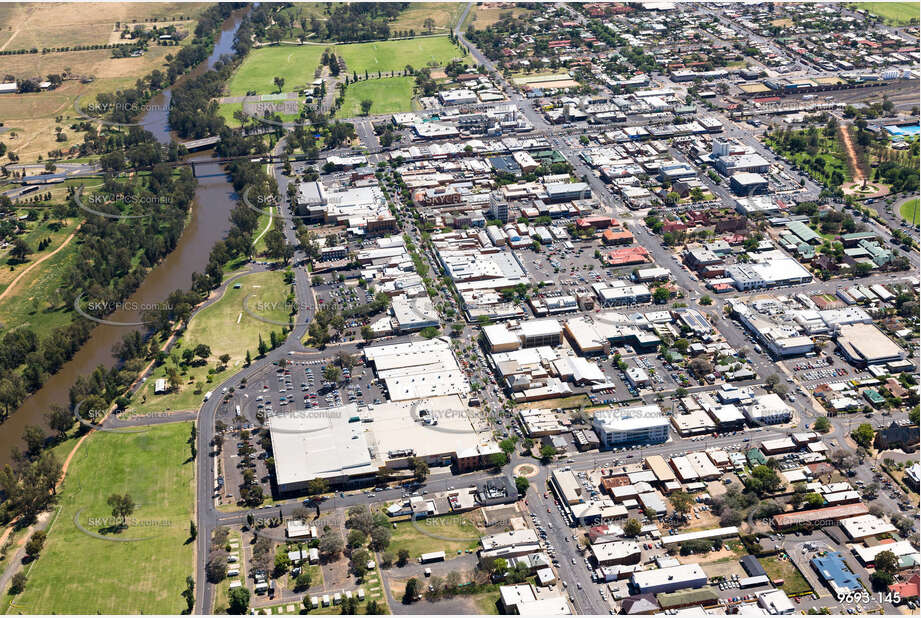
[(209, 222)]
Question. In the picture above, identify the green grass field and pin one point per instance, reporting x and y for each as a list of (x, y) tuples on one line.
[(893, 12), (226, 328), (909, 211), (35, 301), (389, 95), (395, 55), (297, 63), (459, 532), (793, 581), (82, 574)]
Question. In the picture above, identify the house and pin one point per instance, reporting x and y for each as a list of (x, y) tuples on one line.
[(907, 590), (160, 386)]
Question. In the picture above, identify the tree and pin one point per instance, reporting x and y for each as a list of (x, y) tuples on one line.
[(372, 608), (522, 484), (706, 300), (886, 561), (331, 544), (279, 83), (34, 438), (303, 581), (20, 249), (60, 420), (507, 445), (122, 508), (411, 592), (681, 501), (428, 24), (661, 295), (380, 538), (420, 470), (798, 495), (366, 106), (822, 424), (238, 601), (331, 373), (863, 435), (497, 460), (189, 594), (813, 500), (216, 568), (317, 486), (402, 557), (356, 538), (547, 453), (772, 381), (35, 544), (632, 527), (18, 583)]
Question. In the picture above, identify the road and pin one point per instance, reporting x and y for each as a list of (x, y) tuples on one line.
[(208, 516)]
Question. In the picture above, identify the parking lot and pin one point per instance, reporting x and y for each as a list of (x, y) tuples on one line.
[(298, 385), (823, 369)]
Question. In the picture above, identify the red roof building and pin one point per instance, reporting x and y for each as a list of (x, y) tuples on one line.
[(908, 589), (627, 256), (617, 237), (597, 222), (830, 513)]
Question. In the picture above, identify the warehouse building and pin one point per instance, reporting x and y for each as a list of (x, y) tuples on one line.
[(669, 579)]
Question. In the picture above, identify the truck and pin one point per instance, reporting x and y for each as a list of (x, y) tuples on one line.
[(208, 395)]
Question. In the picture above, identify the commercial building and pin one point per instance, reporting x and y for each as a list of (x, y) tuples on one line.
[(715, 533), (867, 555), (617, 552), (768, 409), (413, 314), (865, 344), (775, 602), (536, 333), (835, 573), (322, 445), (747, 183), (865, 526), (629, 426), (669, 579), (770, 270), (418, 369), (810, 517)]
